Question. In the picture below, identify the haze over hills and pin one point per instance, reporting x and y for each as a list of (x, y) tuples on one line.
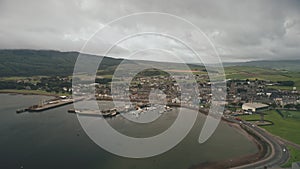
[(25, 62), (290, 65)]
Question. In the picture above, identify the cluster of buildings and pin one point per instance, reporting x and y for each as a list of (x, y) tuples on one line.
[(249, 95), (58, 84), (260, 91)]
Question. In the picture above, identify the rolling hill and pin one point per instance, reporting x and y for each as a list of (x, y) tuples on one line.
[(289, 65), (55, 63)]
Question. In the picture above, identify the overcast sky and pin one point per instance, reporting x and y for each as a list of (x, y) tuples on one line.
[(240, 30)]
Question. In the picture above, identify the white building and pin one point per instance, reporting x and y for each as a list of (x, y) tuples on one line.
[(254, 106)]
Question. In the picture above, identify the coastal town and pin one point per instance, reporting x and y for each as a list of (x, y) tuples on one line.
[(239, 92), (94, 84), (248, 103)]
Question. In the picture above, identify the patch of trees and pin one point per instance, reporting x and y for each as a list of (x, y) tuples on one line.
[(153, 72), (49, 84), (55, 84), (286, 83), (292, 106), (103, 80)]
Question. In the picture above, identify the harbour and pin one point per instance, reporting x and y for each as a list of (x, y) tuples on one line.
[(61, 136), (136, 109)]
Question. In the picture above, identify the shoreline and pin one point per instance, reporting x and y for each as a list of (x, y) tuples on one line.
[(260, 144), (29, 92), (239, 161)]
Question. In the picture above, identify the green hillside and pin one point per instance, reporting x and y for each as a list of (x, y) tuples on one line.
[(289, 65), (42, 63), (27, 63)]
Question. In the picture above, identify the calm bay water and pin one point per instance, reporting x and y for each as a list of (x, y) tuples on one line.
[(55, 139)]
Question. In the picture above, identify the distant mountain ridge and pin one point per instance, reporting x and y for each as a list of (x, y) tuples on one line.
[(290, 65), (26, 62)]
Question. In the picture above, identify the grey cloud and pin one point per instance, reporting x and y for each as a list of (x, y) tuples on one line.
[(241, 30)]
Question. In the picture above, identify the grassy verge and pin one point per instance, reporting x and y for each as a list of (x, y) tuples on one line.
[(294, 157), (287, 128)]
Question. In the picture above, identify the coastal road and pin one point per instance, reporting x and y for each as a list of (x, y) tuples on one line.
[(277, 154)]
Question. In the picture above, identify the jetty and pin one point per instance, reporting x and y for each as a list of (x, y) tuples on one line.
[(49, 104)]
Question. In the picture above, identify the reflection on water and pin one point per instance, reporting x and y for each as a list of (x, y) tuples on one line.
[(55, 139)]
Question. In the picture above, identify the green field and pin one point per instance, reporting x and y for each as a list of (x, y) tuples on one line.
[(252, 73), (291, 114), (287, 127)]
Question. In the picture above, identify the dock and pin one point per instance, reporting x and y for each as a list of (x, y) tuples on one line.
[(105, 114), (50, 105)]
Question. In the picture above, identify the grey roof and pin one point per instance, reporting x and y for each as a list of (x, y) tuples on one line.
[(255, 105)]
